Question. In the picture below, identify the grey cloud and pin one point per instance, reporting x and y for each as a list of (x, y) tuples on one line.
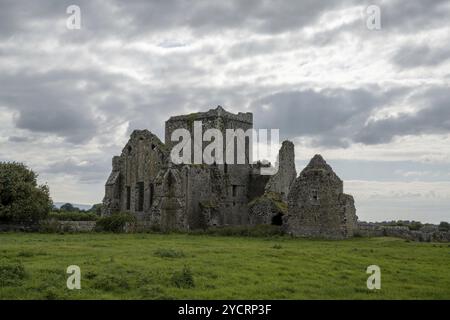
[(205, 17), (94, 102), (19, 139), (18, 16), (397, 17), (64, 120), (410, 16), (133, 18), (262, 16), (412, 56), (92, 171), (338, 117), (330, 116), (432, 118), (152, 110), (250, 47), (53, 103), (387, 170)]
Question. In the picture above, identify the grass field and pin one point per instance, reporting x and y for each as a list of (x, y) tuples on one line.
[(150, 266)]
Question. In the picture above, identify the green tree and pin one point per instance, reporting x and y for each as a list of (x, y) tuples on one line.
[(21, 198), (415, 225), (97, 209), (444, 226), (68, 207)]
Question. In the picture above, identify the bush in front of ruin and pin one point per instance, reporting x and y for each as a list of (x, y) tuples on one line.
[(21, 198), (73, 216), (444, 226), (97, 209), (116, 222)]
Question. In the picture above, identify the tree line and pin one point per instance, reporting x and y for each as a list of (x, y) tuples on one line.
[(23, 200)]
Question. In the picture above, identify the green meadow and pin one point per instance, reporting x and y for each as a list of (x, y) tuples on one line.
[(182, 266)]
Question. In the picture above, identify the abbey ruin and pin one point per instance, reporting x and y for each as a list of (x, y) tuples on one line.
[(145, 181)]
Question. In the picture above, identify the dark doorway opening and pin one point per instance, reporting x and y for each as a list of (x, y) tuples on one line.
[(277, 220)]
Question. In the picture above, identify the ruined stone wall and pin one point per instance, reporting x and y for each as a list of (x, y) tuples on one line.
[(214, 198), (366, 229), (317, 206), (130, 185), (257, 185), (77, 226), (271, 206), (142, 159), (267, 209), (17, 227), (282, 181), (203, 197), (169, 209), (349, 218), (50, 225), (199, 195), (111, 201), (235, 202)]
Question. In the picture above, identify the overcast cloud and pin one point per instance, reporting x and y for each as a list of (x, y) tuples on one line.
[(375, 103)]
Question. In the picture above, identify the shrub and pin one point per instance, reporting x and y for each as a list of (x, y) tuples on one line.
[(115, 222), (183, 279), (169, 253), (72, 216), (444, 226), (21, 199), (11, 274), (68, 207), (49, 226), (96, 209), (415, 225)]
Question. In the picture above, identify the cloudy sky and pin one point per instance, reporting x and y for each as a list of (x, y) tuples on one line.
[(374, 103)]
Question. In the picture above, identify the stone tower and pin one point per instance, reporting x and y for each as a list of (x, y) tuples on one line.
[(282, 181), (317, 206)]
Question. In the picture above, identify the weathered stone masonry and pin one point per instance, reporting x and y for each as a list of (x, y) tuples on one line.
[(317, 205), (144, 182)]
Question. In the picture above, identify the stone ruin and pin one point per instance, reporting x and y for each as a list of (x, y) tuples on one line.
[(272, 205), (317, 204), (171, 196)]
